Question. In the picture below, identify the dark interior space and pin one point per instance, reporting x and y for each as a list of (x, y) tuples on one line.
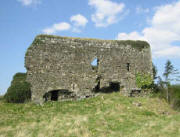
[(97, 87), (56, 95), (113, 87), (128, 66)]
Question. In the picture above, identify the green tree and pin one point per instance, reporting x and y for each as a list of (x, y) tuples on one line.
[(154, 72), (170, 74), (154, 85)]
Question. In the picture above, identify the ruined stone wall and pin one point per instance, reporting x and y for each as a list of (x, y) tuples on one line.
[(60, 63)]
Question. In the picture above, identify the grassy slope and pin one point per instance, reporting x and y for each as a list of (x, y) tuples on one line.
[(111, 115)]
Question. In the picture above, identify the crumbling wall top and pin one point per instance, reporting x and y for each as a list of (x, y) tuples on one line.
[(137, 44)]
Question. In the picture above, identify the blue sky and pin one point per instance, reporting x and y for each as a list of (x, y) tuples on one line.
[(156, 21)]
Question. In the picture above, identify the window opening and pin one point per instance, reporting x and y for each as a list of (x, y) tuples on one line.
[(95, 64), (128, 66)]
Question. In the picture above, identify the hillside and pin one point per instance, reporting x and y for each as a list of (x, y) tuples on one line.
[(107, 115)]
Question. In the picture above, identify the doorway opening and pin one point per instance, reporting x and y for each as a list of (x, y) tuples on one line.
[(114, 86), (56, 95), (51, 95), (97, 87)]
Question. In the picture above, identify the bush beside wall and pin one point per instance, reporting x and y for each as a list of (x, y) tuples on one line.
[(19, 91)]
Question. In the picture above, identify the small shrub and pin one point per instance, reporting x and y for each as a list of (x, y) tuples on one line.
[(19, 91), (176, 104), (143, 80), (175, 96)]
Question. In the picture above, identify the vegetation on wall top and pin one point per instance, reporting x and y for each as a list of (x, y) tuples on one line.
[(138, 44)]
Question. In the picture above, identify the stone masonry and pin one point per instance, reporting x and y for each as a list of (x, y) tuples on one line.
[(62, 66)]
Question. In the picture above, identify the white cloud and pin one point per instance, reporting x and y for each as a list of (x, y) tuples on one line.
[(63, 26), (106, 12), (29, 2), (133, 36), (164, 30), (140, 10), (79, 20)]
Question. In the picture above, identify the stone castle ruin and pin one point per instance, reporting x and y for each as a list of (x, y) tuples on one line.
[(61, 68)]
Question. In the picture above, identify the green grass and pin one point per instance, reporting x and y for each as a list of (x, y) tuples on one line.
[(107, 115)]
